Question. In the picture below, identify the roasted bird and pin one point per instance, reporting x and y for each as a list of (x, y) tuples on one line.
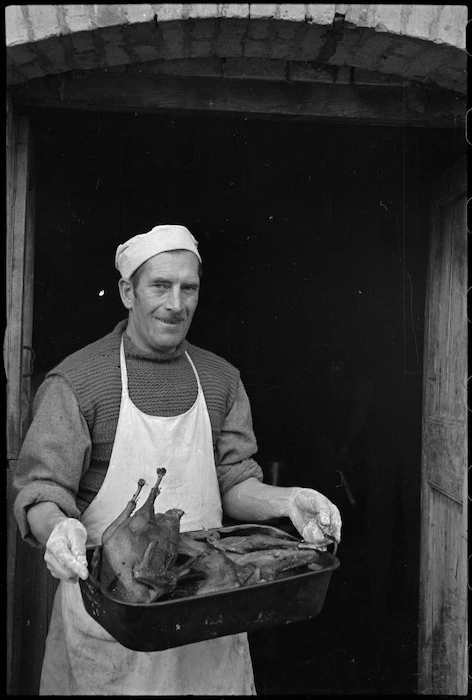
[(140, 550), (210, 570), (144, 558)]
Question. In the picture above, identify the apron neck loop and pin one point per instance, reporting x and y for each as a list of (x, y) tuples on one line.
[(195, 372), (124, 373)]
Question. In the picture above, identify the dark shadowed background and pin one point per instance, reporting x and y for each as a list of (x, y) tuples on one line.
[(314, 241)]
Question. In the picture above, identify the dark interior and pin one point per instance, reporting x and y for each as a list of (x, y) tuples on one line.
[(314, 241)]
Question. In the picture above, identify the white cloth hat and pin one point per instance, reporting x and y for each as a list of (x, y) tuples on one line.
[(160, 239)]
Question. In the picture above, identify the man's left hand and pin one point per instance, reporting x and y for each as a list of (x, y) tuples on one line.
[(314, 516)]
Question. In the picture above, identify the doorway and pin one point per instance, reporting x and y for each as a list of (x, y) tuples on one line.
[(314, 238)]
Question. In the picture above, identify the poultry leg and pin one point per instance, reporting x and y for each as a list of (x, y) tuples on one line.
[(130, 507)]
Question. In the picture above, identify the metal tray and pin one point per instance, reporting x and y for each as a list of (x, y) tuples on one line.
[(173, 623)]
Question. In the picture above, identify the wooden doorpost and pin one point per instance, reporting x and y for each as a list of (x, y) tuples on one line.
[(17, 349), (443, 665)]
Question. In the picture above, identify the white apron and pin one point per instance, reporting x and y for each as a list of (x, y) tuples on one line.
[(81, 658)]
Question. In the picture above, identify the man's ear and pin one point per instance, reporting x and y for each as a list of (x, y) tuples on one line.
[(126, 293)]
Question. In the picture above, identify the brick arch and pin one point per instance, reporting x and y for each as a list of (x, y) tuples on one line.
[(421, 43)]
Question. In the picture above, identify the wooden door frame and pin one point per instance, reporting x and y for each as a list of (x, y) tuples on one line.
[(442, 644), (241, 96), (143, 91), (17, 348)]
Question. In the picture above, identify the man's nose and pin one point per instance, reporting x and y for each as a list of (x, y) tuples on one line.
[(174, 300)]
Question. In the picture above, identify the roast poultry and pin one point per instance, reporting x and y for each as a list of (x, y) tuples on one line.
[(139, 551), (145, 558)]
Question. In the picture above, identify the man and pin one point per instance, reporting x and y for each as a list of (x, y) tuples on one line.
[(139, 398)]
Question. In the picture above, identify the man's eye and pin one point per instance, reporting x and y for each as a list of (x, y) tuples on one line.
[(190, 288), (161, 285)]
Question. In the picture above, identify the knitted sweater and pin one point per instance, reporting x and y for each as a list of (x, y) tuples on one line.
[(67, 449)]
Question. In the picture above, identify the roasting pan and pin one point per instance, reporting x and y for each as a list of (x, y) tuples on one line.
[(172, 623)]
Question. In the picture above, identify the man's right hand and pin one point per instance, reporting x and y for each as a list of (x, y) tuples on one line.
[(65, 551)]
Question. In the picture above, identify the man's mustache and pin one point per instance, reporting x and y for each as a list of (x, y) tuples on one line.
[(172, 318)]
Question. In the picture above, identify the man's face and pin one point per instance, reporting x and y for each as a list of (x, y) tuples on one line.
[(163, 302)]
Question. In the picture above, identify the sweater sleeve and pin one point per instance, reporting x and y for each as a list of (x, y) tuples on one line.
[(236, 445), (54, 455)]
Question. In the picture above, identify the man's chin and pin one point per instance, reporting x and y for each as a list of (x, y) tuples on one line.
[(168, 344)]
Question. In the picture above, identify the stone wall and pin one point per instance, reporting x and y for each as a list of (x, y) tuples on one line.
[(424, 43)]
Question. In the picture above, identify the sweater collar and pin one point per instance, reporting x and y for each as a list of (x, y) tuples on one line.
[(131, 350)]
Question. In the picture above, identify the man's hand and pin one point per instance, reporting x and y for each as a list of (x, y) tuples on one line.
[(314, 516), (65, 551)]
